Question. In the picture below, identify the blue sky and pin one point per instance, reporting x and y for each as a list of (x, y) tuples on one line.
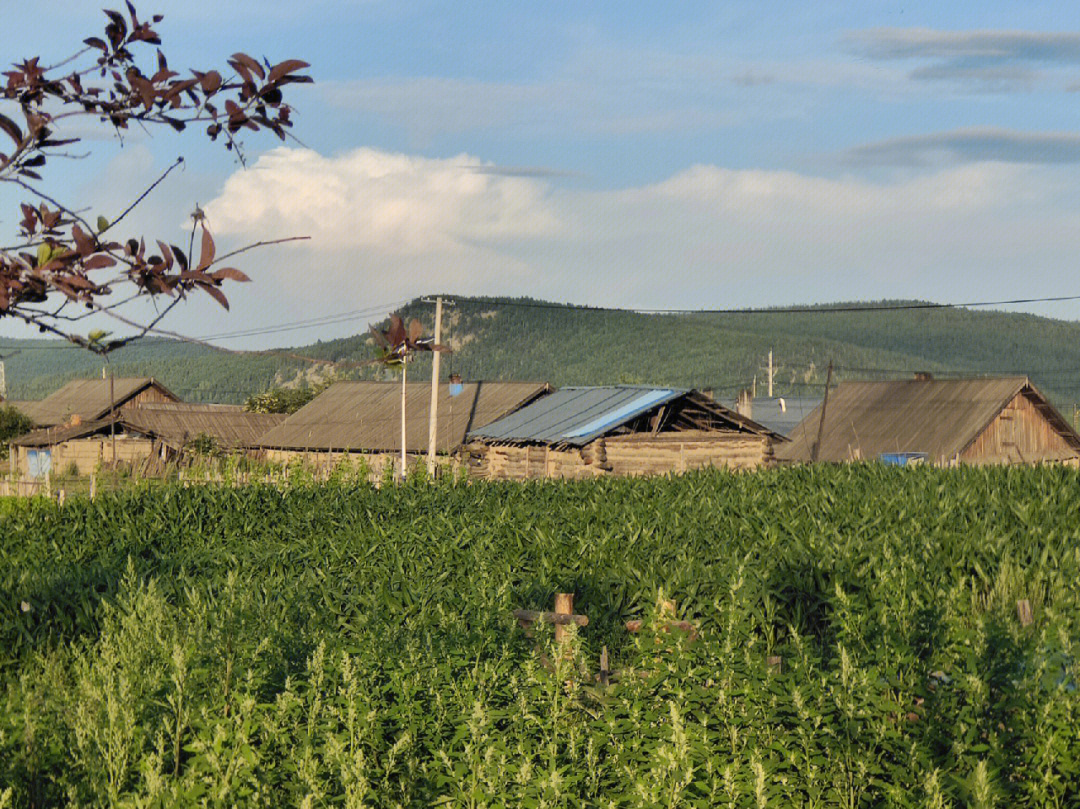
[(645, 155)]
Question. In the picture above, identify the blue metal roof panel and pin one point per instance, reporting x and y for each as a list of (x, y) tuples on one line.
[(577, 415)]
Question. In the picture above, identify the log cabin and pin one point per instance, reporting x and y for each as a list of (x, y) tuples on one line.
[(584, 432)]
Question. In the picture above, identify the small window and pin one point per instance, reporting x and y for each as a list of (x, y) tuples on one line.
[(39, 462)]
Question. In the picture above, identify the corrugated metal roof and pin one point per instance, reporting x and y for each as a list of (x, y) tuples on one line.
[(940, 417), (366, 416), (577, 415), (89, 399)]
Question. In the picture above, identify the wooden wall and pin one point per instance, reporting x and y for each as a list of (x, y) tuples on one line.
[(632, 455), (152, 395), (87, 453), (1019, 434)]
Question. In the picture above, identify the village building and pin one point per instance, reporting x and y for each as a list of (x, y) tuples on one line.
[(1003, 420), (351, 418), (582, 432), (781, 414), (82, 400), (143, 437)]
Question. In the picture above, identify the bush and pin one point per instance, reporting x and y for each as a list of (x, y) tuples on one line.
[(13, 423)]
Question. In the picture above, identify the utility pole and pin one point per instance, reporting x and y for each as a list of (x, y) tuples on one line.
[(770, 373), (404, 368), (112, 410), (821, 422), (3, 375), (433, 418)]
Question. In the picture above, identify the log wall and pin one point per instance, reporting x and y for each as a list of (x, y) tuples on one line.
[(629, 455)]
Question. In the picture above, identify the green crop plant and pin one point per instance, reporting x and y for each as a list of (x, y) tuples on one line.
[(857, 642)]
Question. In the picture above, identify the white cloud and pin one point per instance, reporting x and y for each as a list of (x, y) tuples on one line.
[(388, 226), (390, 204)]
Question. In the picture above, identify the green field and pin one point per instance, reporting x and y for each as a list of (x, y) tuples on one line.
[(340, 645)]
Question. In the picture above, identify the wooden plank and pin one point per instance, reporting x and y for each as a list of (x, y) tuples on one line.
[(557, 618), (1023, 612), (564, 605)]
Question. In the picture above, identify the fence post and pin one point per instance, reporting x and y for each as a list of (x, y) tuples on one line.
[(564, 605), (1023, 612)]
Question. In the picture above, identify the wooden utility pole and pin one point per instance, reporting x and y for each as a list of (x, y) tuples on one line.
[(433, 418), (770, 373), (404, 368), (3, 382), (112, 410), (821, 422)]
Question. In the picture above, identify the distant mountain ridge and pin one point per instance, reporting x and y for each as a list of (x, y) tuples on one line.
[(529, 340)]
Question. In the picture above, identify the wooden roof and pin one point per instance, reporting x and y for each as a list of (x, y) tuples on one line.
[(366, 416), (576, 416), (940, 417), (179, 424), (176, 426), (89, 399)]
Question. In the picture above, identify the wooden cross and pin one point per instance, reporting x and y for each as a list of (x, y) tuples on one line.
[(562, 617)]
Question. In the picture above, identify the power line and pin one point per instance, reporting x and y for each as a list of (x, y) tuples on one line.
[(323, 320), (809, 310)]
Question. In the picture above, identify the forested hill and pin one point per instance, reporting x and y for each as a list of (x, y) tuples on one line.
[(523, 339)]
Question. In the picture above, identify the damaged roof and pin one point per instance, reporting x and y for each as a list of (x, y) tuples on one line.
[(579, 415)]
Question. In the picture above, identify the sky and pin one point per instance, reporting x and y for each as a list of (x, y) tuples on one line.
[(663, 155)]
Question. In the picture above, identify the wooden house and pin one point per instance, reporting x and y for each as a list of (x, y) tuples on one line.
[(352, 418), (143, 437), (1003, 420), (83, 400), (583, 432)]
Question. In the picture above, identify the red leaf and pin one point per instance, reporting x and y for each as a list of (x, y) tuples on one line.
[(98, 262), (230, 273), (11, 128), (283, 68), (83, 243), (206, 258), (145, 90), (210, 81), (250, 64), (166, 254), (216, 294)]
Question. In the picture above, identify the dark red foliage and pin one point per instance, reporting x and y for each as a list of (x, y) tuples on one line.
[(62, 255)]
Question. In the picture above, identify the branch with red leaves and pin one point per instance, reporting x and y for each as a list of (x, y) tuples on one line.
[(60, 258)]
